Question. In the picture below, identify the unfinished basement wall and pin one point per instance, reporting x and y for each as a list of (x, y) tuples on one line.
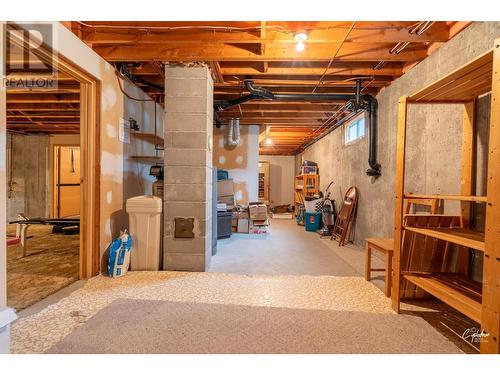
[(30, 166), (28, 175), (242, 161), (434, 141), (281, 178), (4, 336), (121, 176)]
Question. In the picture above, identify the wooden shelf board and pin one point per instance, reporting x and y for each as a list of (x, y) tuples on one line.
[(460, 236), (148, 137), (306, 175), (468, 198), (461, 85), (458, 291), (147, 159)]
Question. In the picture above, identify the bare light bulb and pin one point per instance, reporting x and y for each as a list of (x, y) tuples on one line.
[(300, 46), (269, 141)]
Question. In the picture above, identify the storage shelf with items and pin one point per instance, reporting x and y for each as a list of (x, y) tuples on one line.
[(264, 185), (431, 252), (147, 159), (305, 185), (149, 137)]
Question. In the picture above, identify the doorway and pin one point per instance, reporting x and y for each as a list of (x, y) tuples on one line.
[(60, 126)]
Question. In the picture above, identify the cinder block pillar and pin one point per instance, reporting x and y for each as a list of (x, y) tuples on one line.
[(188, 125)]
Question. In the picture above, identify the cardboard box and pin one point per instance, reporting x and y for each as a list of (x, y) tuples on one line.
[(228, 200), (243, 215), (260, 223), (234, 223), (259, 226), (257, 211), (258, 230), (243, 225), (225, 188)]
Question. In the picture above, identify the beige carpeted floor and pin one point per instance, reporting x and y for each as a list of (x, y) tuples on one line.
[(344, 297), (52, 262), (156, 327)]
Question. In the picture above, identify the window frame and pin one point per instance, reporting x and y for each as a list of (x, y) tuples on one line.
[(347, 126)]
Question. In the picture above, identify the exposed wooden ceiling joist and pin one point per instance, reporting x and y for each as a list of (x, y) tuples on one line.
[(264, 52)]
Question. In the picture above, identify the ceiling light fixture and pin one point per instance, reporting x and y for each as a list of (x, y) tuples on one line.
[(268, 139), (300, 38)]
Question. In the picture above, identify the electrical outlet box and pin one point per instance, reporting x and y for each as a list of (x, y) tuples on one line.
[(184, 227)]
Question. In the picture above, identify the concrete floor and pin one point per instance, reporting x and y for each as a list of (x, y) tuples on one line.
[(51, 263), (287, 250)]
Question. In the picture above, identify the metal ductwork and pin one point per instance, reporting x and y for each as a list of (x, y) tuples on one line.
[(356, 103), (233, 137)]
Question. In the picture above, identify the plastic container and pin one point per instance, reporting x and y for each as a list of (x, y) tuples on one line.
[(222, 175), (313, 205), (224, 229), (313, 221), (144, 214)]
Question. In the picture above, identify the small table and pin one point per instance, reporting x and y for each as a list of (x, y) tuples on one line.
[(385, 246)]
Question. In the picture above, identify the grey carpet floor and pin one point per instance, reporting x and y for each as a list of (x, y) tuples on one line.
[(150, 326), (287, 250)]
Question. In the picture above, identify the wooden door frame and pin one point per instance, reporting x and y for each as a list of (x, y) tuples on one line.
[(90, 92)]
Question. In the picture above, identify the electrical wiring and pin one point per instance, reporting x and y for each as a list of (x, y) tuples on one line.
[(191, 27), (141, 186), (106, 28), (333, 57)]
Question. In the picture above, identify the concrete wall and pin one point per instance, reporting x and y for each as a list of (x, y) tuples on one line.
[(121, 177), (434, 140), (3, 179), (242, 162), (281, 177), (30, 166), (28, 183)]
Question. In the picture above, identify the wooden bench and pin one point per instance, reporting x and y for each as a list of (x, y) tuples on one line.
[(385, 246)]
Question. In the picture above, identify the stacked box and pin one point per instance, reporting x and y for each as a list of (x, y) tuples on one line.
[(225, 193), (234, 222), (258, 211), (259, 222), (243, 222)]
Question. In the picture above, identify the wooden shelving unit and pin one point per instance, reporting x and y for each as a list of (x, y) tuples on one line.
[(264, 182), (460, 236), (465, 198), (148, 159), (148, 137), (413, 250), (455, 290), (305, 185)]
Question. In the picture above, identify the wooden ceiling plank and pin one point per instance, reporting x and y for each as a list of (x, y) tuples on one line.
[(437, 33), (225, 52)]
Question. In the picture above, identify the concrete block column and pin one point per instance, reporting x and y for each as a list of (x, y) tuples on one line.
[(188, 129)]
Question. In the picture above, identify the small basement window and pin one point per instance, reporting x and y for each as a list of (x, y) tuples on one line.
[(355, 129)]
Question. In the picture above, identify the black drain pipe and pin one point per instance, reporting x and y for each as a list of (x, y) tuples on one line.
[(372, 106), (356, 103)]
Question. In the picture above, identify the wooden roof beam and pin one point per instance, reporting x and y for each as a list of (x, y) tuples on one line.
[(223, 52), (382, 33), (42, 98)]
